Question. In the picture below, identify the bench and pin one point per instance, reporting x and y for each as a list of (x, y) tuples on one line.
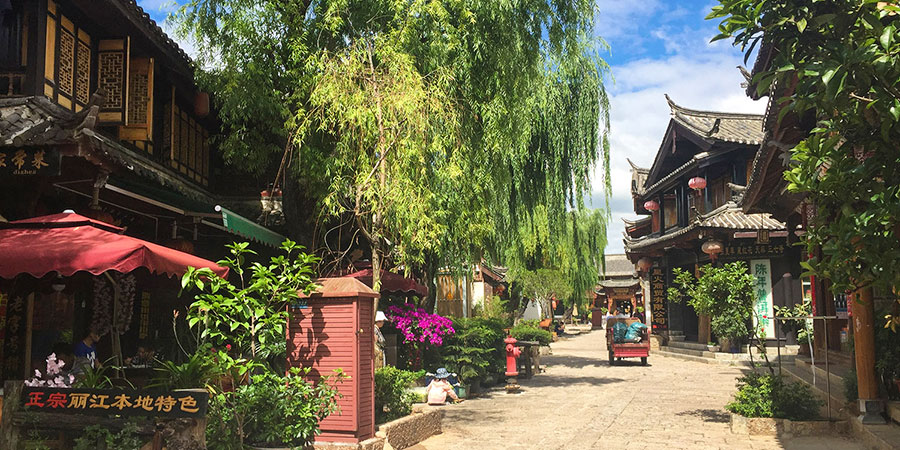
[(530, 357), (545, 324)]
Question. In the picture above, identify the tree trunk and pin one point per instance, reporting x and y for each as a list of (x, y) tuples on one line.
[(430, 274), (546, 310), (376, 268)]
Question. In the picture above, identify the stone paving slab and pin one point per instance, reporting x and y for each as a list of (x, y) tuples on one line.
[(581, 402)]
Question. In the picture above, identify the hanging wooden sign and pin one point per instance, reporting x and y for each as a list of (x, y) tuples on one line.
[(658, 302), (29, 161), (114, 401)]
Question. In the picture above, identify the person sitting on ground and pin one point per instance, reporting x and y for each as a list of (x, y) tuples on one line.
[(439, 388)]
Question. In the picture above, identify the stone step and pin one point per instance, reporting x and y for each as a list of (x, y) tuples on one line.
[(893, 410), (688, 345), (723, 356), (676, 338), (664, 351), (840, 408), (838, 372)]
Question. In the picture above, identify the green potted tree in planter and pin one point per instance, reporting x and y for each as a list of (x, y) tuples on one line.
[(725, 294)]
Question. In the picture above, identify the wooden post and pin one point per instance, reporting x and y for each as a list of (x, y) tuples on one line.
[(10, 437), (29, 326), (870, 407), (704, 330)]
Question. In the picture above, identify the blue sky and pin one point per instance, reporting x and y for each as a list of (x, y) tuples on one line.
[(657, 47)]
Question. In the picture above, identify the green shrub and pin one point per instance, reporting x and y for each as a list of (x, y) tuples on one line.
[(97, 437), (528, 330), (271, 411), (476, 349), (392, 396), (769, 396), (851, 387)]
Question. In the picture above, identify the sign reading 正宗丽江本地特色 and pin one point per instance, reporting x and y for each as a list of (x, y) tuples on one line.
[(113, 401)]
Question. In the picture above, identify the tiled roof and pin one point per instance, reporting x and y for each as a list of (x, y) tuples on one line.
[(618, 266), (728, 216), (38, 121), (34, 121), (155, 32), (639, 221), (728, 127), (683, 169), (620, 283)]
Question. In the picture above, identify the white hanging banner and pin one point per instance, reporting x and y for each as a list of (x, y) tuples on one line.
[(763, 308)]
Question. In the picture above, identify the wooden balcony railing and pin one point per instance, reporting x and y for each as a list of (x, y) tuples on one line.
[(12, 83)]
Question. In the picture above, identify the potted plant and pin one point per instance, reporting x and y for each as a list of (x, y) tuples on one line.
[(792, 327), (711, 346), (805, 339)]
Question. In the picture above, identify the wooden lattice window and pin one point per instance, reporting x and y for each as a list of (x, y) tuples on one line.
[(671, 210), (67, 61), (139, 106), (188, 143), (112, 66)]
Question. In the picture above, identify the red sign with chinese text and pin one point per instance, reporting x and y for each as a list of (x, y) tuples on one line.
[(119, 402)]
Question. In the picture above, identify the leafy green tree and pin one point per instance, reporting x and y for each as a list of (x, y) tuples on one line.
[(725, 294), (543, 285), (837, 63), (439, 128), (250, 317)]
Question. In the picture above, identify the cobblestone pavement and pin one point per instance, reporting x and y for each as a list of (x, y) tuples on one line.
[(580, 402)]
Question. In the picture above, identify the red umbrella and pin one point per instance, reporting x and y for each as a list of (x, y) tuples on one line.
[(391, 283), (67, 243)]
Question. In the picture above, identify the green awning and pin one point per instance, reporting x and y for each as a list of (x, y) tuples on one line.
[(249, 229)]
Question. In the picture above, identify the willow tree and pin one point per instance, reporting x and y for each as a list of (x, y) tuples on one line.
[(439, 126)]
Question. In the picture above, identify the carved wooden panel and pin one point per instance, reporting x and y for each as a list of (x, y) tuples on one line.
[(112, 67), (139, 104), (66, 63), (83, 73), (189, 143)]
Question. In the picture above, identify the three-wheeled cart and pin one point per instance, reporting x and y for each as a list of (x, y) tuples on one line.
[(619, 350)]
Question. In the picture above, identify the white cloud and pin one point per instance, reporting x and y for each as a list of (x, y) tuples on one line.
[(693, 72)]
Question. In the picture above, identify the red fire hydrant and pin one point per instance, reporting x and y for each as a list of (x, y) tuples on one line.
[(512, 352)]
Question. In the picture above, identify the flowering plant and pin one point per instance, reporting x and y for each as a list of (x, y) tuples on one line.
[(54, 376), (420, 326)]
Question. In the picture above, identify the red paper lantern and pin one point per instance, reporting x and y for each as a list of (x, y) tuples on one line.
[(201, 104), (651, 205), (712, 248), (697, 183), (644, 264)]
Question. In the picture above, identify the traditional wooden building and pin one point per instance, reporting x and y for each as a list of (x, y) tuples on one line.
[(848, 339), (688, 203), (99, 114), (619, 286)]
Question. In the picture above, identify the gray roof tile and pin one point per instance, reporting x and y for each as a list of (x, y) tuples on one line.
[(729, 127)]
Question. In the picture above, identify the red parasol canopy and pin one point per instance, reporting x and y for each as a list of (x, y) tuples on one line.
[(391, 283), (67, 243)]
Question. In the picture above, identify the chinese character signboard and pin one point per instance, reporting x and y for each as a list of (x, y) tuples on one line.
[(29, 161), (121, 402), (658, 304), (743, 251), (763, 308)]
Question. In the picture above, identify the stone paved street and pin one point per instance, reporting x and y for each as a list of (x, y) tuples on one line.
[(581, 402)]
